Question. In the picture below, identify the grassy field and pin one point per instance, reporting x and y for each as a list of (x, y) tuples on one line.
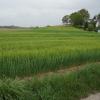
[(25, 52)]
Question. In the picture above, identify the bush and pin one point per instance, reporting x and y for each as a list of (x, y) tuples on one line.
[(91, 27), (85, 25), (99, 27), (96, 29)]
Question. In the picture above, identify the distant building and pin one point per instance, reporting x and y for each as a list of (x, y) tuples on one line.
[(96, 19), (89, 20), (98, 23)]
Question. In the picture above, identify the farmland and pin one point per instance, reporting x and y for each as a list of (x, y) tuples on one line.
[(25, 52), (29, 56)]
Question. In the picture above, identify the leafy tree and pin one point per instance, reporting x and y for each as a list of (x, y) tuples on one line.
[(77, 19), (66, 19), (91, 27), (85, 25), (85, 14), (98, 16)]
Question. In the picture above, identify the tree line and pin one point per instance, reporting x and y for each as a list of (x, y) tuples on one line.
[(82, 19)]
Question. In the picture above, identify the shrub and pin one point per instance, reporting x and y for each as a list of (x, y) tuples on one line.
[(85, 25), (96, 29), (91, 27), (99, 27)]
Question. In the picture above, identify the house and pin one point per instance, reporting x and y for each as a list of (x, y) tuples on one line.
[(94, 23), (89, 20), (98, 24)]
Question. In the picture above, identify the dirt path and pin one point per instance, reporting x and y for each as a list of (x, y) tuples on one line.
[(93, 97), (60, 71)]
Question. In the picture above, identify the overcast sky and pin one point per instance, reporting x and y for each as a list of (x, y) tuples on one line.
[(42, 12)]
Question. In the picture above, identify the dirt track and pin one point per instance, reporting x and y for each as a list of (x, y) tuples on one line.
[(93, 97)]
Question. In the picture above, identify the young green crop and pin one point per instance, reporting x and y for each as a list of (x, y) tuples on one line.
[(24, 52)]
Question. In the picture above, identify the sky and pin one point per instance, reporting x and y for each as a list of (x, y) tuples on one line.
[(42, 12)]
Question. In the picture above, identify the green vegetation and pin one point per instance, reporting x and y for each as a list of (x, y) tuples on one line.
[(77, 18), (72, 86), (81, 19), (24, 52)]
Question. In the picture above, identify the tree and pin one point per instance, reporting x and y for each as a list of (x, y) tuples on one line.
[(85, 14), (66, 19), (98, 16), (85, 25), (77, 19)]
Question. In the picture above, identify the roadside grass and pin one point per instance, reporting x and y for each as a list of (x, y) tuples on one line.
[(72, 86)]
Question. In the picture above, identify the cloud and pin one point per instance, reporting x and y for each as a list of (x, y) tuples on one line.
[(41, 12)]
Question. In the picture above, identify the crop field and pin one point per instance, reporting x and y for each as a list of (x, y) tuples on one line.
[(49, 63), (25, 52)]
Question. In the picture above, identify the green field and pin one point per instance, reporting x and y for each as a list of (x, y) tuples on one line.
[(25, 52), (28, 56)]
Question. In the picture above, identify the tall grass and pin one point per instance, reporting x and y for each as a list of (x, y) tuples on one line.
[(27, 52), (72, 86)]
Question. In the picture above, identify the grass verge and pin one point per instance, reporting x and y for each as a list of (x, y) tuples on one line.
[(72, 86)]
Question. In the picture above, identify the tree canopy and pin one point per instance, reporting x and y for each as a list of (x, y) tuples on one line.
[(77, 18), (81, 19), (65, 19), (85, 14)]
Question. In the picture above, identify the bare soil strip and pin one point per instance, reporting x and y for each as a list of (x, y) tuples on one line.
[(93, 97), (60, 71)]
